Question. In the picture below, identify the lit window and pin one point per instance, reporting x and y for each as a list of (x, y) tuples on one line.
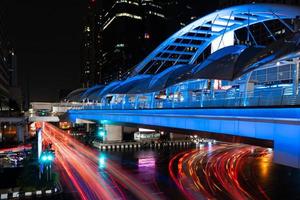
[(147, 36), (110, 20), (156, 14), (87, 29), (120, 45)]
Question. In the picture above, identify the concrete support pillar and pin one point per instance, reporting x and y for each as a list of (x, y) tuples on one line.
[(88, 128), (20, 133), (26, 132), (296, 77), (171, 136), (113, 133)]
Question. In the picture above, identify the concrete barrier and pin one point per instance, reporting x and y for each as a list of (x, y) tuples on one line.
[(28, 194), (15, 195), (4, 196), (48, 192)]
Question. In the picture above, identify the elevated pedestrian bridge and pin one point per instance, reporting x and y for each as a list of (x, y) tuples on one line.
[(216, 74), (280, 125)]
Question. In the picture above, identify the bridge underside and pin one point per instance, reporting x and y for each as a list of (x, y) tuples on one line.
[(280, 125)]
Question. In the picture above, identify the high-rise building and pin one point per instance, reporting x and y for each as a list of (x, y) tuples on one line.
[(118, 34), (7, 70), (91, 45), (131, 30)]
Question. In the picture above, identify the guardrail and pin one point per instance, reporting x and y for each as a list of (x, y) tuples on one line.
[(30, 194), (204, 99), (279, 96)]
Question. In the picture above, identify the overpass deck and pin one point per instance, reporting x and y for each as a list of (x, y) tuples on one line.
[(280, 125)]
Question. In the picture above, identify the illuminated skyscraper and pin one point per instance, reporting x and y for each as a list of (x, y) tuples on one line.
[(8, 73), (91, 51), (118, 34), (131, 29)]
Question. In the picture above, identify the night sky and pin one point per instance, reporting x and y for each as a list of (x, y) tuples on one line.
[(46, 36)]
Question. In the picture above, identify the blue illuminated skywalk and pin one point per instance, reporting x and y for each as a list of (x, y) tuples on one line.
[(214, 75)]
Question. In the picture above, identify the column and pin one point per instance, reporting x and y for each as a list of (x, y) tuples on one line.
[(113, 133), (20, 133)]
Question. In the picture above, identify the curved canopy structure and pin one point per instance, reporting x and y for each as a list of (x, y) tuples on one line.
[(246, 57), (284, 48), (220, 65), (142, 87), (108, 89), (170, 76), (196, 51), (185, 46), (125, 86)]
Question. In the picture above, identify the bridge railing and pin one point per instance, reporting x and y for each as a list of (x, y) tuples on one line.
[(278, 96)]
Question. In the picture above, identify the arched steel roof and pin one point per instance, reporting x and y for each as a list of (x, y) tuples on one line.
[(141, 88), (220, 65), (286, 48), (170, 76), (108, 89), (186, 45), (125, 86)]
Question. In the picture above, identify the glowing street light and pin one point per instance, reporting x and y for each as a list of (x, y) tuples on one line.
[(101, 132), (47, 157)]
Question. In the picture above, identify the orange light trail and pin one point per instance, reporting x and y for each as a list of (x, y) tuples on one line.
[(81, 166), (217, 171)]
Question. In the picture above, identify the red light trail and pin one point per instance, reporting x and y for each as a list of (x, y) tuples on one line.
[(93, 176), (16, 149), (219, 171)]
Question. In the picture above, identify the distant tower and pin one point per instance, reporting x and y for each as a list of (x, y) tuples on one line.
[(91, 45)]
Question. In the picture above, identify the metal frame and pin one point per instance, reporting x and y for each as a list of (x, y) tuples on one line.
[(248, 14)]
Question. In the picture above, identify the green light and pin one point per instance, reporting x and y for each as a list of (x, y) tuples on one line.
[(50, 157), (44, 158), (101, 133), (104, 121), (47, 157)]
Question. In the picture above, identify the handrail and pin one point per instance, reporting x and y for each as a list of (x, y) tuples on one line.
[(278, 96)]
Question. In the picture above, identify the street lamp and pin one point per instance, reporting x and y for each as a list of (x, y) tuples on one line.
[(46, 160), (101, 132), (47, 157)]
